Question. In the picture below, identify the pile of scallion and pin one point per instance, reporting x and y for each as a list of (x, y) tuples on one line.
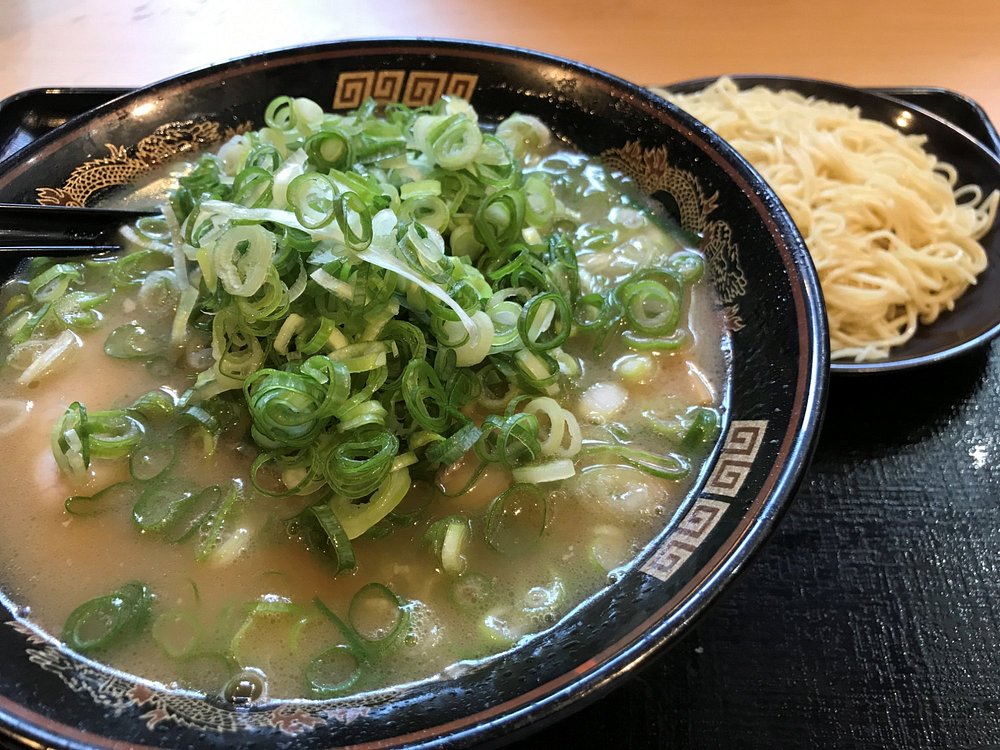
[(370, 296)]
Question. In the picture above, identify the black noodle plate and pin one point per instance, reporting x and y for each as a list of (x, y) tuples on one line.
[(775, 395), (975, 321)]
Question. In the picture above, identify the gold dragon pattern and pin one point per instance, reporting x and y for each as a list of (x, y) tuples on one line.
[(651, 171), (117, 694), (125, 163)]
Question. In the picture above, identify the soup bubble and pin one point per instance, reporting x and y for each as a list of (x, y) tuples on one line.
[(246, 688)]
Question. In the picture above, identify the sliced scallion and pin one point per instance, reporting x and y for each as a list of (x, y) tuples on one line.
[(112, 496), (447, 538), (108, 619), (158, 506), (516, 519), (378, 615), (334, 671), (177, 632), (357, 518)]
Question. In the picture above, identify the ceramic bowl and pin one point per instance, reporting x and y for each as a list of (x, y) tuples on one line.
[(777, 383)]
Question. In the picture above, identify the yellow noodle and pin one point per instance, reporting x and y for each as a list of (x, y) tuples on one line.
[(894, 239)]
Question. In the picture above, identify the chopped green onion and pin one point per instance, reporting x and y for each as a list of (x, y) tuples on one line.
[(112, 496), (650, 307), (291, 408), (132, 341), (694, 428), (185, 523), (339, 544), (106, 620), (60, 347), (540, 203), (70, 446), (334, 671), (77, 310), (516, 519), (52, 283), (369, 295), (547, 313), (378, 614), (177, 632), (219, 522), (112, 434), (687, 266), (357, 518), (523, 134), (559, 432), (450, 141), (253, 187), (452, 448), (358, 463), (158, 506), (329, 149), (242, 257), (313, 196), (447, 538), (665, 466), (355, 221), (552, 471), (500, 218), (509, 440), (153, 406), (429, 210), (151, 457)]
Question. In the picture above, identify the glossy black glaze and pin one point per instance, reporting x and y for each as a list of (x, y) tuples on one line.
[(975, 321), (779, 372), (28, 115)]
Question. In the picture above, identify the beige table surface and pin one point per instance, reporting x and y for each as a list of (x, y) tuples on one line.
[(863, 42)]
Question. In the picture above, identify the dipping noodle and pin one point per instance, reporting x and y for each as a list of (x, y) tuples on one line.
[(894, 237)]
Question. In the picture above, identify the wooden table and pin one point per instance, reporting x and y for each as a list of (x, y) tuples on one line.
[(870, 619), (863, 42)]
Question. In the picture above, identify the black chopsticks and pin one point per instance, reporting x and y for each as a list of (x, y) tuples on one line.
[(27, 229)]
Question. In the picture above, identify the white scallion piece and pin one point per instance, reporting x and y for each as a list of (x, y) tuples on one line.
[(600, 403), (553, 471), (58, 352)]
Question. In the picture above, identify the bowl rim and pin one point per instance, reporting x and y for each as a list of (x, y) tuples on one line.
[(573, 689)]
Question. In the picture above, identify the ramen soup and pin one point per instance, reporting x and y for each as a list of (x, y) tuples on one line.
[(376, 397)]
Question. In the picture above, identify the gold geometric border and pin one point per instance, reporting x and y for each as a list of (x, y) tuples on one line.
[(738, 454), (124, 164), (739, 451), (684, 540), (414, 88)]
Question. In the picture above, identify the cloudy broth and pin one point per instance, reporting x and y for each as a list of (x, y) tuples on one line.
[(261, 601)]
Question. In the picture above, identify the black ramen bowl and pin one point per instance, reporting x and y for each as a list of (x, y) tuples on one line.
[(777, 383)]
